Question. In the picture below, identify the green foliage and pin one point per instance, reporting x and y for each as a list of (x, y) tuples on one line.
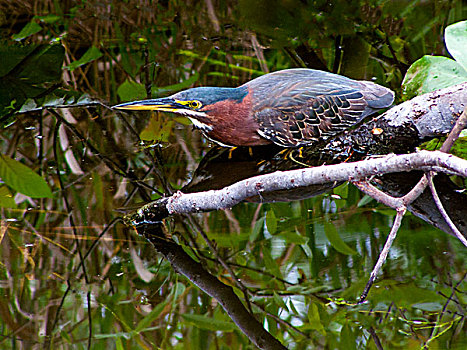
[(92, 54), (271, 222), (131, 90), (208, 323), (6, 199), (434, 72), (334, 238), (26, 72), (22, 179), (29, 29)]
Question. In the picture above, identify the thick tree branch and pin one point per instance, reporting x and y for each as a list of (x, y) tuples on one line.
[(231, 195)]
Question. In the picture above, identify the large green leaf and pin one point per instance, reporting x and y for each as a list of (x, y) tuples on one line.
[(270, 263), (431, 73), (455, 36), (22, 179), (292, 237), (44, 65)]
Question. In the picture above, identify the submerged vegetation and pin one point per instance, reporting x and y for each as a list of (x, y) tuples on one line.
[(72, 276)]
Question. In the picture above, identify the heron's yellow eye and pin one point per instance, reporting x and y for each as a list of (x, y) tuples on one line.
[(194, 104)]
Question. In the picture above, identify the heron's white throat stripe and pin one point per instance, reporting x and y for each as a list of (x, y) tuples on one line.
[(200, 125)]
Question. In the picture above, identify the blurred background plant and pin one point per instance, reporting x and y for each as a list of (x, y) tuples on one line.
[(65, 171)]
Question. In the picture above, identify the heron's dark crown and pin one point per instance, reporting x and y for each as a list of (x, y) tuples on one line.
[(211, 95)]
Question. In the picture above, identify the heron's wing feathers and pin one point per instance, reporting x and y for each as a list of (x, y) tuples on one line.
[(296, 107), (304, 118)]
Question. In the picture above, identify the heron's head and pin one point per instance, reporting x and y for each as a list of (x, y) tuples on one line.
[(201, 104)]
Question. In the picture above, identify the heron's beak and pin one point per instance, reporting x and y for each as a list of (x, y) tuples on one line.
[(159, 104)]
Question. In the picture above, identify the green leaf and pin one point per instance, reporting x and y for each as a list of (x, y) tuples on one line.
[(49, 19), (347, 339), (150, 317), (6, 198), (43, 65), (271, 221), (314, 319), (279, 301), (455, 36), (29, 29), (293, 237), (131, 90), (334, 238), (270, 263), (22, 179), (364, 201), (430, 306), (431, 73), (257, 229), (164, 90), (92, 54), (157, 129), (23, 71), (209, 323), (119, 344)]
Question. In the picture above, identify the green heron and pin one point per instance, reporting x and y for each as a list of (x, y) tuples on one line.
[(291, 108)]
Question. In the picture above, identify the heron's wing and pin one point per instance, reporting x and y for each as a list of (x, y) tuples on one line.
[(297, 107), (305, 122)]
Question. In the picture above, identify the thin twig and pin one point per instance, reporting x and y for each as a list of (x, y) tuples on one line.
[(443, 212), (110, 163), (460, 125), (384, 253), (375, 338), (380, 196), (443, 311), (75, 234), (280, 320)]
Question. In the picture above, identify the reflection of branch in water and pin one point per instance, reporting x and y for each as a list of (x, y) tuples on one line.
[(194, 271), (213, 249)]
